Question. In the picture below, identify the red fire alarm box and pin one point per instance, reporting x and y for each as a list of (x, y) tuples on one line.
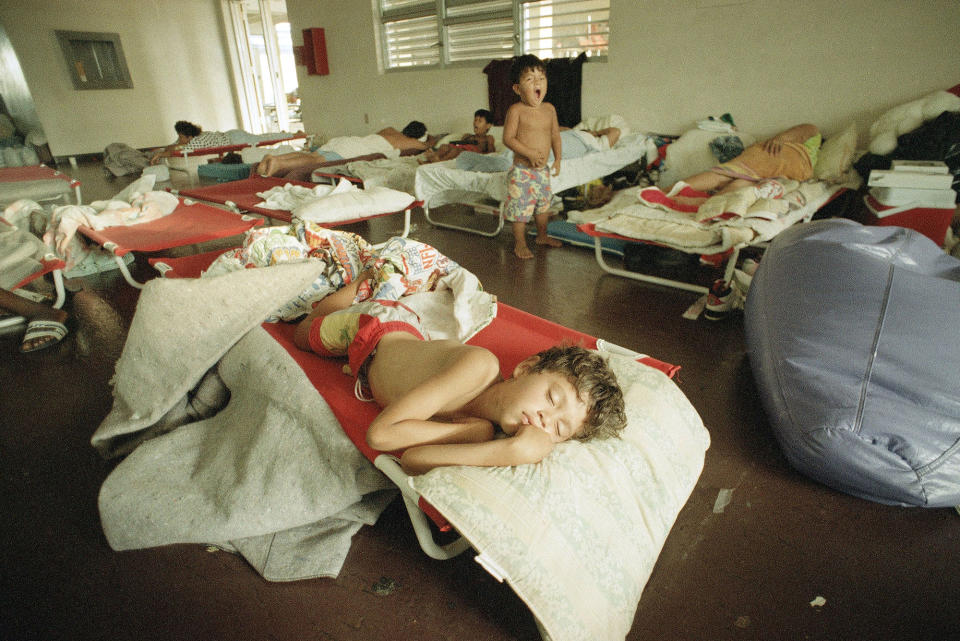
[(315, 52)]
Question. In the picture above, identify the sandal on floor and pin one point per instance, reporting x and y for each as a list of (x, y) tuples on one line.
[(42, 329)]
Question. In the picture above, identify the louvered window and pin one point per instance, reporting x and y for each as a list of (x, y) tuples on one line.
[(478, 30), (411, 34), (565, 28), (442, 32)]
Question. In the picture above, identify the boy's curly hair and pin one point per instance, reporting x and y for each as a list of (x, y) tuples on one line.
[(522, 63), (594, 381)]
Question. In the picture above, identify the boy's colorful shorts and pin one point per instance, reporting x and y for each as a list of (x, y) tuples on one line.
[(356, 330), (528, 193)]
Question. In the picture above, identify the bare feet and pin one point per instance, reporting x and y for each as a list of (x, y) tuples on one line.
[(548, 241), (522, 251)]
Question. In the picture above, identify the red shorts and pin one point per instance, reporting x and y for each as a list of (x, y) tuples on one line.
[(356, 330)]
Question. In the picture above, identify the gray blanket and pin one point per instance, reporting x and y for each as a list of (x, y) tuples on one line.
[(122, 159), (271, 474)]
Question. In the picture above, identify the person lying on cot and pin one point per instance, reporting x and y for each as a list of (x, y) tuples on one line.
[(191, 137), (413, 138), (789, 154), (480, 141), (443, 402)]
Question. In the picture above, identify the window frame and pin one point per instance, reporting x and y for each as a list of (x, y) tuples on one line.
[(440, 9)]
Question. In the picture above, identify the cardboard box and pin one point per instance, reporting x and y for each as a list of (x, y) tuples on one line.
[(932, 222)]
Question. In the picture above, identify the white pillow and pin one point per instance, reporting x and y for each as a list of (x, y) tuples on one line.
[(577, 535), (836, 155), (357, 203), (603, 122)]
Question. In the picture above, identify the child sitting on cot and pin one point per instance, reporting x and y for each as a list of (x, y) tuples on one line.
[(480, 141), (443, 401), (530, 130)]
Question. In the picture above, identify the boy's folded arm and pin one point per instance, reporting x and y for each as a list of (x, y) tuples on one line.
[(517, 450)]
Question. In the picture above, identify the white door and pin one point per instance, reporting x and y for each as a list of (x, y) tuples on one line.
[(268, 74)]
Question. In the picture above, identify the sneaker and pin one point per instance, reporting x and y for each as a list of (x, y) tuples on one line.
[(719, 301)]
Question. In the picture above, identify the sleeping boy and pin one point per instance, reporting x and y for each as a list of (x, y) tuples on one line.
[(444, 402)]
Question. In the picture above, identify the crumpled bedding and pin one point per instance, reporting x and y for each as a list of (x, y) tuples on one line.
[(21, 251), (351, 146), (396, 173), (137, 203), (271, 475), (122, 159), (630, 216), (330, 204), (442, 183), (400, 267), (290, 196)]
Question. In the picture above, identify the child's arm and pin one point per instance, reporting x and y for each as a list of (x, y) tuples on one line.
[(530, 445), (555, 142), (797, 134), (487, 144)]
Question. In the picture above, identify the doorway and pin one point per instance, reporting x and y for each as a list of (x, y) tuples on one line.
[(269, 85)]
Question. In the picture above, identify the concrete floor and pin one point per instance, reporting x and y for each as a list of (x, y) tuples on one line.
[(750, 572)]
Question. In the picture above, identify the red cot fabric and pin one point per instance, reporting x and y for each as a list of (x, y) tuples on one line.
[(33, 172), (187, 225)]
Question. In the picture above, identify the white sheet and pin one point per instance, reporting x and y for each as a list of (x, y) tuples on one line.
[(442, 183), (352, 146), (395, 173)]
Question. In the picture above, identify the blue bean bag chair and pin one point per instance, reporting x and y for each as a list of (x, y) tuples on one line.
[(853, 334)]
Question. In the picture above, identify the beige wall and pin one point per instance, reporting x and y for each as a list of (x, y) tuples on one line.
[(770, 63), (176, 54)]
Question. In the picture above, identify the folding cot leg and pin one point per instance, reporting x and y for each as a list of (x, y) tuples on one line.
[(421, 527), (656, 280), (61, 292), (127, 276), (731, 265), (472, 230)]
